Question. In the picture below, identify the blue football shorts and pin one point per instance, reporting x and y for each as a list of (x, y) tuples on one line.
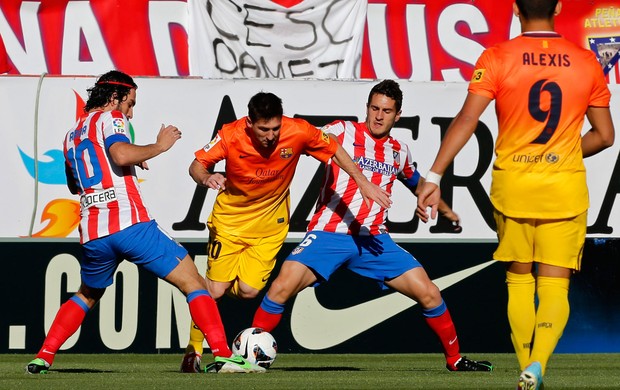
[(376, 257), (143, 244)]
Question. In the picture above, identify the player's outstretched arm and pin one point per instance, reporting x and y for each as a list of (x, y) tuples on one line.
[(369, 191), (601, 135), (124, 154), (457, 135)]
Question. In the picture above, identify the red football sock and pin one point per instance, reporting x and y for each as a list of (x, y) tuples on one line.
[(444, 329), (267, 321), (206, 316), (67, 321)]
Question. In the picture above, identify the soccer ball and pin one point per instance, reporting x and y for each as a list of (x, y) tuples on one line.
[(256, 345)]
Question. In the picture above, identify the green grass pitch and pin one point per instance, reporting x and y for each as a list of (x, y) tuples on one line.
[(306, 371)]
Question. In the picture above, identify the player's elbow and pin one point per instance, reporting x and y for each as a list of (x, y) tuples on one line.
[(608, 139), (120, 160), (196, 171)]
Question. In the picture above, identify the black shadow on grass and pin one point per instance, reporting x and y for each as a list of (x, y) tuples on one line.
[(80, 371), (299, 369), (316, 369)]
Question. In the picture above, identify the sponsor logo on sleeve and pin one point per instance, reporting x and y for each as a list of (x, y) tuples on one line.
[(118, 126), (213, 142)]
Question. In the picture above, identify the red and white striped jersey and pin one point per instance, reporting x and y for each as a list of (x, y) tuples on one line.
[(340, 207), (110, 198)]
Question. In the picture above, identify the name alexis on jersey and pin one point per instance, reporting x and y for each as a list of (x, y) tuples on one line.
[(546, 59)]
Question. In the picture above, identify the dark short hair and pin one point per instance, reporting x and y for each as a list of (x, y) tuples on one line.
[(536, 9), (389, 88), (114, 84), (264, 105)]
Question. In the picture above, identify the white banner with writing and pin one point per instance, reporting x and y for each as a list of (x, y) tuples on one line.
[(262, 39)]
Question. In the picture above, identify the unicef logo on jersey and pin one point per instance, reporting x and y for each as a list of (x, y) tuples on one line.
[(552, 158)]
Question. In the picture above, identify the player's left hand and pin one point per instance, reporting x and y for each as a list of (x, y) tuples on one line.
[(167, 136), (454, 218), (428, 196), (422, 214)]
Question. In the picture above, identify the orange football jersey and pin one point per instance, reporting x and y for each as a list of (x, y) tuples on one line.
[(542, 85), (256, 201)]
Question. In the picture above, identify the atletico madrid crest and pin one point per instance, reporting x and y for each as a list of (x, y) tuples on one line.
[(607, 50)]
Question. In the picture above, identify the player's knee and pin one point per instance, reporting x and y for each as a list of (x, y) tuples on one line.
[(90, 295), (280, 290), (195, 281), (431, 297), (248, 294)]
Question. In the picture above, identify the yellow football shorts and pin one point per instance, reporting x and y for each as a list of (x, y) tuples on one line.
[(251, 259), (557, 242)]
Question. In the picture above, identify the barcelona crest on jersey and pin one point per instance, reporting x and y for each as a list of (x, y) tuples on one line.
[(286, 152)]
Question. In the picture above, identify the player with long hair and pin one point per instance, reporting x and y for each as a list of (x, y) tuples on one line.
[(115, 225)]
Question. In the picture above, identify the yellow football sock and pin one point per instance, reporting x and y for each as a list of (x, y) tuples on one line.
[(196, 339), (521, 313), (551, 317)]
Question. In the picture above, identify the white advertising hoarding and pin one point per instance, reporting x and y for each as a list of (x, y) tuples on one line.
[(37, 112)]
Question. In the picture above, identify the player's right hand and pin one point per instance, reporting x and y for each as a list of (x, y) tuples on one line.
[(372, 192), (167, 136), (216, 181)]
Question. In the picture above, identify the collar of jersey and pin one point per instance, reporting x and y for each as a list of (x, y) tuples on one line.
[(541, 34)]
